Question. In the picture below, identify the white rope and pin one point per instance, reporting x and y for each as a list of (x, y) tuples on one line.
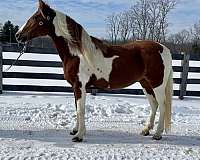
[(21, 53)]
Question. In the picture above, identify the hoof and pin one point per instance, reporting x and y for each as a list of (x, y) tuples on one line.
[(73, 132), (76, 139), (145, 133), (156, 137)]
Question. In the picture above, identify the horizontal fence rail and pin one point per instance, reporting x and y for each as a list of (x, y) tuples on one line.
[(182, 81)]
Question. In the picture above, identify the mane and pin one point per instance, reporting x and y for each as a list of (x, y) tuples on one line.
[(79, 41), (60, 24)]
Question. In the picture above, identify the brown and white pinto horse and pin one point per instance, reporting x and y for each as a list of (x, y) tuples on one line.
[(87, 61)]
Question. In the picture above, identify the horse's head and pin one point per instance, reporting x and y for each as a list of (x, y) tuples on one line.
[(39, 24)]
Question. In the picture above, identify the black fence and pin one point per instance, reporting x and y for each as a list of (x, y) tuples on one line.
[(184, 69)]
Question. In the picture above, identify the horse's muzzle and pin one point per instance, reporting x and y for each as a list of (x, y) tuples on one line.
[(20, 38)]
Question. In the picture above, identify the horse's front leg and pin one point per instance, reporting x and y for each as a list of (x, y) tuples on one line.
[(75, 129), (80, 95)]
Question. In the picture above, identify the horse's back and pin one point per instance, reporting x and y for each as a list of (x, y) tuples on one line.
[(150, 47)]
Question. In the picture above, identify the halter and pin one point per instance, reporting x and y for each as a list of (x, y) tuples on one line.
[(21, 53)]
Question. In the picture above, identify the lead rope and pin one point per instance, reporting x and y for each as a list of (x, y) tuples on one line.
[(21, 53)]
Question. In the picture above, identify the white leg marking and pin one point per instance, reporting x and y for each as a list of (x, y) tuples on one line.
[(154, 105), (160, 97), (81, 114), (77, 122)]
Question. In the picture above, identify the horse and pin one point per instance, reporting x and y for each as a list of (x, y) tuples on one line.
[(88, 61)]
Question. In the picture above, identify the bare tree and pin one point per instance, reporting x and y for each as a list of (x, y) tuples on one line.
[(124, 26), (181, 41), (165, 7), (154, 14), (150, 18), (146, 19), (113, 27), (140, 14)]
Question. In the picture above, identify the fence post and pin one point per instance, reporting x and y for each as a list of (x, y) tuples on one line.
[(1, 68), (184, 75)]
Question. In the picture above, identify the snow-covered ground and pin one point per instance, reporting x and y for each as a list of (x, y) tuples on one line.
[(37, 126)]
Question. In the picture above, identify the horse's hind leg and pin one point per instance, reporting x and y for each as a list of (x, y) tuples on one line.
[(150, 121), (148, 91), (160, 97)]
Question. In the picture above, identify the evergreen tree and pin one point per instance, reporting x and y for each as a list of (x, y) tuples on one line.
[(8, 32)]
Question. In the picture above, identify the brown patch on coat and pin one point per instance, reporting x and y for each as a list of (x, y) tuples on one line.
[(137, 61), (99, 83), (70, 64), (147, 86), (144, 62), (75, 30)]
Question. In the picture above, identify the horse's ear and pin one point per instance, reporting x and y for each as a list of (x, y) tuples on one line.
[(41, 4)]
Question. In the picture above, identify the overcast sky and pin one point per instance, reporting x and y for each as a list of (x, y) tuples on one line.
[(92, 13)]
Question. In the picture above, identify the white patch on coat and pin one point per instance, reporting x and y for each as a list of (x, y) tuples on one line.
[(153, 104), (60, 25), (81, 114), (167, 61), (92, 60)]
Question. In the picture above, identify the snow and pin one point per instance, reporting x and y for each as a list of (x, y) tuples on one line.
[(37, 126)]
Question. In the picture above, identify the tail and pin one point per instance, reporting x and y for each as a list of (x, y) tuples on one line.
[(168, 102)]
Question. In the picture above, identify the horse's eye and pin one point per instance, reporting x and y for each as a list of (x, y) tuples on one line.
[(48, 18), (40, 23)]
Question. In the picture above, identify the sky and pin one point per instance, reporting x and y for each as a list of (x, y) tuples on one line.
[(91, 14)]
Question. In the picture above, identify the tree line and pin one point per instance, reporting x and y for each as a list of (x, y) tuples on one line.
[(186, 40), (146, 19), (7, 32)]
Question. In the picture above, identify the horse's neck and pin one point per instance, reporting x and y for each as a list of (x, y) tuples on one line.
[(62, 47), (79, 42)]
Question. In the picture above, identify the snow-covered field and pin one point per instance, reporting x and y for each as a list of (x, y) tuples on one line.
[(37, 125)]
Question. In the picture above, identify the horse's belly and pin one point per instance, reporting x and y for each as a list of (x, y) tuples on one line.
[(122, 83)]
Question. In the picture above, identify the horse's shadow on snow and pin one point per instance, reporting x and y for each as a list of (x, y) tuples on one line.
[(61, 138)]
